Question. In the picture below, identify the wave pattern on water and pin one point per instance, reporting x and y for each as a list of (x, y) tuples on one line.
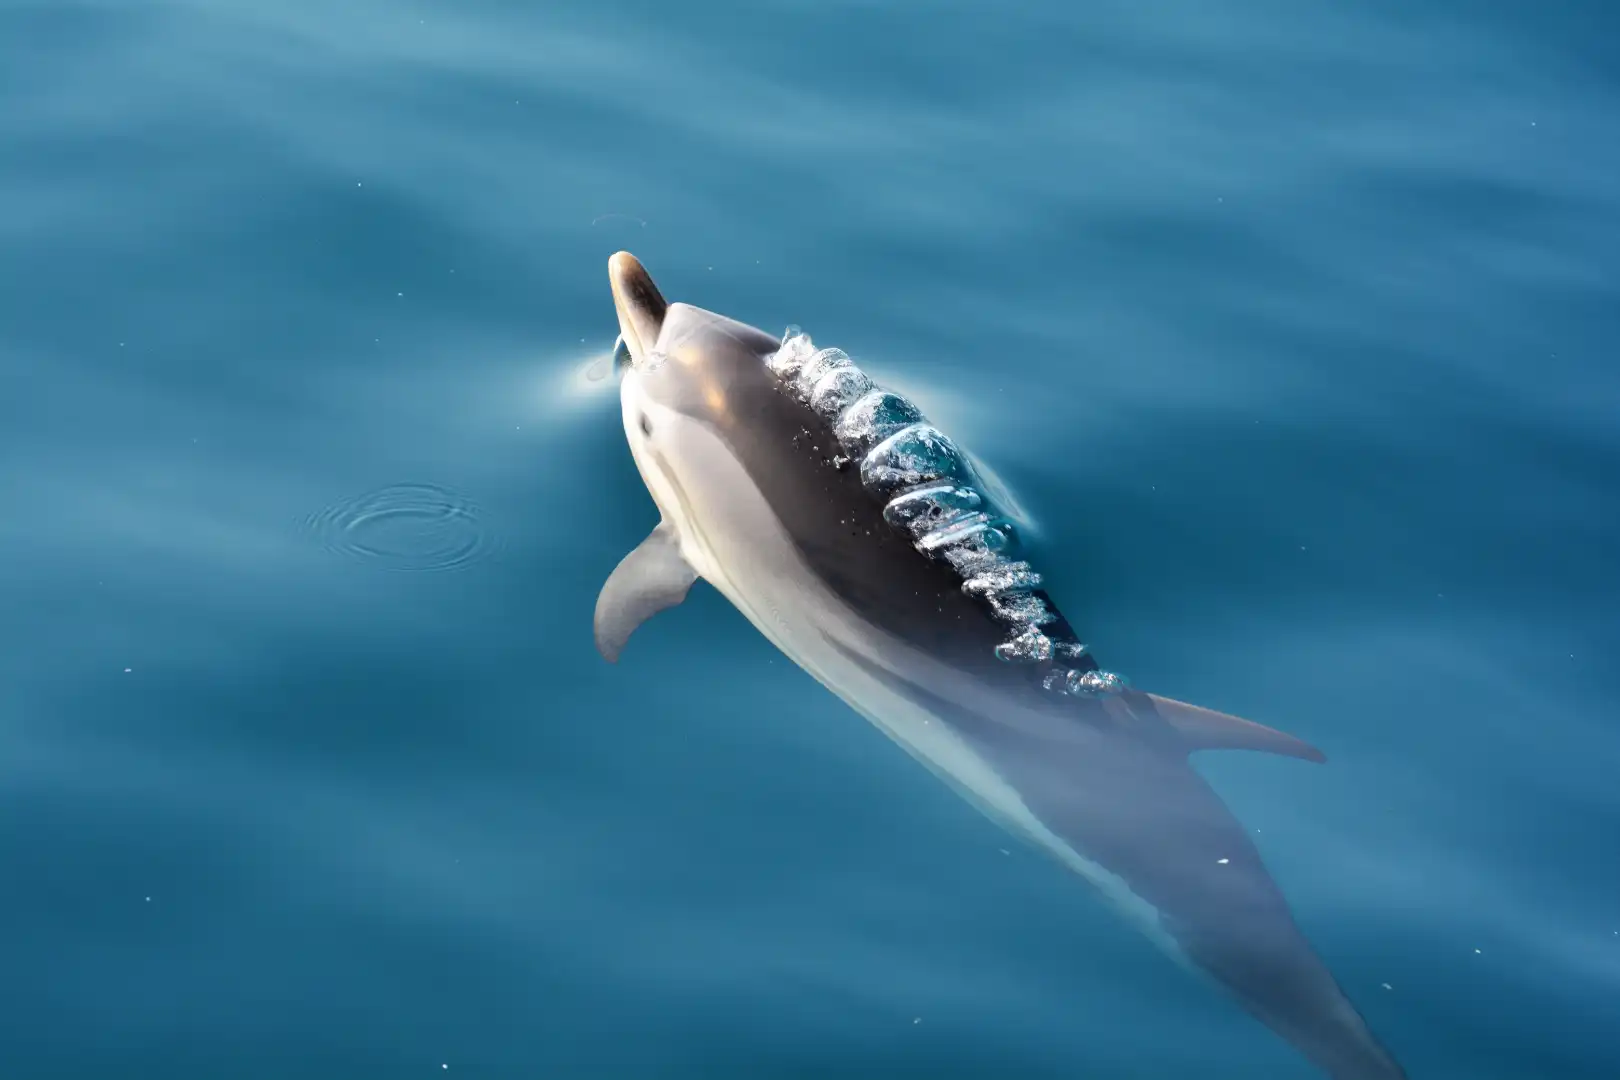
[(407, 527), (1291, 324)]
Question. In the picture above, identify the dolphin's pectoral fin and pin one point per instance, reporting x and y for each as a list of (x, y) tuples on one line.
[(1206, 729), (651, 578)]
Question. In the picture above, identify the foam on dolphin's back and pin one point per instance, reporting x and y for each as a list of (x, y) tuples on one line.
[(931, 493)]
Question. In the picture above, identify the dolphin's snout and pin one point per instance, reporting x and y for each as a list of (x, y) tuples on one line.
[(639, 304)]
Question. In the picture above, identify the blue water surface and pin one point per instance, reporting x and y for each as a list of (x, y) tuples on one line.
[(1291, 325)]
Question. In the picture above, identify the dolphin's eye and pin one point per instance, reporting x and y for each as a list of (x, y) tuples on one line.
[(646, 425), (621, 353)]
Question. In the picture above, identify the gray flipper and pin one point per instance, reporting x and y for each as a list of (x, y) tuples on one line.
[(651, 578)]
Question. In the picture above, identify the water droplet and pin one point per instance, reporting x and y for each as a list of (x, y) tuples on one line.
[(407, 527)]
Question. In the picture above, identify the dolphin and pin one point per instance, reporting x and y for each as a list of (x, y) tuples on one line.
[(851, 534)]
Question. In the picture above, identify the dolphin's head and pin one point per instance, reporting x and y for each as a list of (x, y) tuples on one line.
[(678, 365)]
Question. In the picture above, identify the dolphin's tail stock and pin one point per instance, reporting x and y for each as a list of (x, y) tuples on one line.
[(1151, 819), (1276, 979), (1256, 951)]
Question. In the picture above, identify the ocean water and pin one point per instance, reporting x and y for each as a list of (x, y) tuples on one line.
[(1292, 328)]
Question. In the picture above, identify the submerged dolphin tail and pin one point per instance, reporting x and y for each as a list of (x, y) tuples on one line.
[(1263, 971)]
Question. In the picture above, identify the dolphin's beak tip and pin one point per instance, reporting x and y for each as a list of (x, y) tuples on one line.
[(622, 264)]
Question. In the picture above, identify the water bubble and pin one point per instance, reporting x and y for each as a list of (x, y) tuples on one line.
[(1006, 577), (818, 365), (837, 390), (1092, 683), (406, 527), (1030, 647), (981, 548), (920, 454), (1023, 608), (974, 556), (789, 359), (925, 509), (930, 488), (874, 418), (955, 532), (1070, 650)]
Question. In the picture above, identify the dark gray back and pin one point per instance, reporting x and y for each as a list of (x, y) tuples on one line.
[(791, 454)]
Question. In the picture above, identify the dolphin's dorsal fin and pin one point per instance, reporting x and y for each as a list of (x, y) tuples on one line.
[(651, 578), (1206, 729)]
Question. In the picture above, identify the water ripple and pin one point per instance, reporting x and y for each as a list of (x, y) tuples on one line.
[(407, 527)]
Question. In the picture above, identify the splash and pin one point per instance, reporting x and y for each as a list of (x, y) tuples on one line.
[(932, 493)]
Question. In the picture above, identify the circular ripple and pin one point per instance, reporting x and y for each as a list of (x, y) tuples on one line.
[(408, 527)]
